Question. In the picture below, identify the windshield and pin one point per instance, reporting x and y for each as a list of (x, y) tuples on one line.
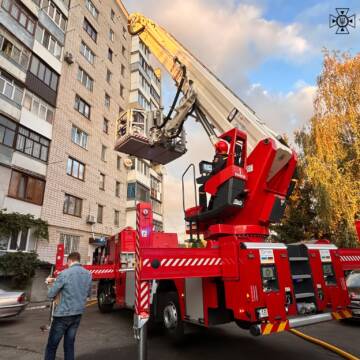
[(353, 281)]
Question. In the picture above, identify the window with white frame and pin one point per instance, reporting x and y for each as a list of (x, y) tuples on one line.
[(85, 79), (9, 89), (92, 9), (111, 35), (18, 241), (87, 53), (82, 107), (19, 14), (38, 107), (71, 243), (16, 53), (54, 13), (48, 41), (90, 29), (79, 137)]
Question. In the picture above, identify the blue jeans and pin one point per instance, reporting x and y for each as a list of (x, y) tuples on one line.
[(62, 326)]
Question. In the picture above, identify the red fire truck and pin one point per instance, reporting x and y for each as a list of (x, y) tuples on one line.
[(238, 276)]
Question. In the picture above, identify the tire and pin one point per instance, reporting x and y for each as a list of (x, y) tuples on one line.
[(171, 316), (104, 297)]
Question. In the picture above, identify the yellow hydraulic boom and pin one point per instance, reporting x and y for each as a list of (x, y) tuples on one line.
[(216, 106)]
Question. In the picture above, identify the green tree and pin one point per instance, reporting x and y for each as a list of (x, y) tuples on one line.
[(327, 200)]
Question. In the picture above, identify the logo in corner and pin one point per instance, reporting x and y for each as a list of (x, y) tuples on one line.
[(342, 20)]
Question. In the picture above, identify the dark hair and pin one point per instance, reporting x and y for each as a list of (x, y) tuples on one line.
[(74, 256)]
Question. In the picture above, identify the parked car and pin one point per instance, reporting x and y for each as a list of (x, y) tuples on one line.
[(353, 284), (12, 303)]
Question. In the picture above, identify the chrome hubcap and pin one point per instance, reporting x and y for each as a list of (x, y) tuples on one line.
[(170, 316)]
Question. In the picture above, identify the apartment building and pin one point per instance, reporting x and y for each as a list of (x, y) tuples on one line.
[(64, 79), (32, 35), (144, 181), (85, 195)]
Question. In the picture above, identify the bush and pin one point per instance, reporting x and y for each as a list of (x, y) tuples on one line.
[(20, 266)]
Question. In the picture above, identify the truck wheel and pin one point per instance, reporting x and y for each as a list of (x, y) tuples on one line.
[(103, 301), (171, 317)]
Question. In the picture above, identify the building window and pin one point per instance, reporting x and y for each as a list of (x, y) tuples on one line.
[(111, 35), (72, 205), (32, 144), (27, 188), (103, 152), (54, 14), (122, 70), (123, 50), (108, 76), (116, 217), (106, 126), (157, 225), (85, 79), (44, 73), (143, 102), (131, 191), (118, 162), (48, 41), (75, 168), (100, 213), (19, 54), (156, 206), (7, 132), (38, 107), (87, 53), (107, 101), (117, 189), (9, 89), (122, 90), (71, 243), (89, 29), (79, 137), (142, 167), (112, 15), (102, 181), (155, 188), (82, 107), (19, 15), (17, 241), (92, 9), (137, 191), (110, 54)]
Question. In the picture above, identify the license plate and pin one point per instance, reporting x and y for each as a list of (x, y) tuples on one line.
[(263, 313)]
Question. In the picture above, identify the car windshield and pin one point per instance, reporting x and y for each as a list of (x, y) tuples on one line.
[(353, 281)]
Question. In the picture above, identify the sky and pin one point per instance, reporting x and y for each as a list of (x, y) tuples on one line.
[(269, 52)]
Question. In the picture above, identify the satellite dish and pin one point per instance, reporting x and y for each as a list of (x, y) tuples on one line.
[(128, 163)]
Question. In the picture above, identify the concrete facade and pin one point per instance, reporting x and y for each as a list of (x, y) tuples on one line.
[(78, 231), (48, 113)]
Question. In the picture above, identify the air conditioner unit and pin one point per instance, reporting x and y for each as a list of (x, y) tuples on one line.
[(69, 58), (90, 219)]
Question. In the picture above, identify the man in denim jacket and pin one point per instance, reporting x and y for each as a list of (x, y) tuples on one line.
[(73, 285)]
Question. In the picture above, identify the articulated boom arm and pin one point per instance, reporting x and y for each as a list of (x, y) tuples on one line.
[(215, 103)]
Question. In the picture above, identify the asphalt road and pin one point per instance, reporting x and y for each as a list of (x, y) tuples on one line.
[(109, 336)]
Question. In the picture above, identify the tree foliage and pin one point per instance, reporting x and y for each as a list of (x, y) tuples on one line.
[(330, 156), (14, 222), (20, 266)]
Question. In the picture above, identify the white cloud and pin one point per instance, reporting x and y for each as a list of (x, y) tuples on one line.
[(230, 38), (284, 112)]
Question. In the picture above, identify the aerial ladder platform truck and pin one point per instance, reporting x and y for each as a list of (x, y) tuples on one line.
[(238, 276)]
